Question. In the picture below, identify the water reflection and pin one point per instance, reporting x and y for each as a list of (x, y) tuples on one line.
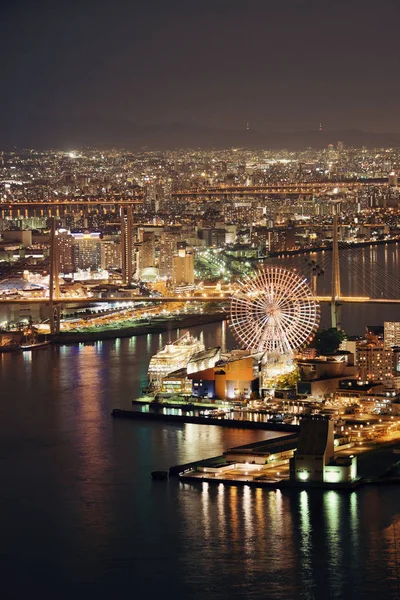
[(248, 519), (312, 535), (332, 527), (233, 513), (76, 481), (205, 497)]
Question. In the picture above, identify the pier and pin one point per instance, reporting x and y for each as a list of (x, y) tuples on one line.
[(119, 413)]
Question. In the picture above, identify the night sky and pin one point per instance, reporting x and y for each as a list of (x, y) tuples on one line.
[(282, 65)]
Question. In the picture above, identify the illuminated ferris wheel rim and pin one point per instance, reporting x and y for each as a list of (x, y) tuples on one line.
[(274, 311)]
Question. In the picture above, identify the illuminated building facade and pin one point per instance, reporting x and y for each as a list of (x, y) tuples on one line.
[(168, 247), (146, 251), (374, 360), (234, 376), (86, 251), (64, 241), (110, 254), (183, 267), (314, 459), (391, 335), (128, 266)]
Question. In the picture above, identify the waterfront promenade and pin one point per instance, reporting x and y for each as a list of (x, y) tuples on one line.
[(149, 327)]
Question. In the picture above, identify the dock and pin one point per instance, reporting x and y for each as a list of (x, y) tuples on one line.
[(378, 466), (119, 413)]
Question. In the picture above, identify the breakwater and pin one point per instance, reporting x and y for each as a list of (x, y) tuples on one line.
[(199, 420)]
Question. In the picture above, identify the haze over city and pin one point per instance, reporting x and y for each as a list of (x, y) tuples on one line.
[(226, 72)]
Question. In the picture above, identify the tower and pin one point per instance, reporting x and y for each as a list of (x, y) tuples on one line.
[(54, 284)]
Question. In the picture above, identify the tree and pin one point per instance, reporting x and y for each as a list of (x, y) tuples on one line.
[(327, 341), (288, 380)]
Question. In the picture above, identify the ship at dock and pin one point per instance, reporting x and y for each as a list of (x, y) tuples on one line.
[(174, 356)]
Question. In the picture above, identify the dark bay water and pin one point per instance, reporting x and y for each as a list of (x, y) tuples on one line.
[(81, 518)]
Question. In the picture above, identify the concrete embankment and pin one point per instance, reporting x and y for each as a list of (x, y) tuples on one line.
[(236, 423), (154, 327), (209, 462)]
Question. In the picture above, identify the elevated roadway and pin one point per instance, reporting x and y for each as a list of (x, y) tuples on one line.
[(161, 300), (296, 189), (66, 203)]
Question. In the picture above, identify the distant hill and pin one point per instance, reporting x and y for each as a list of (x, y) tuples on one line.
[(75, 132)]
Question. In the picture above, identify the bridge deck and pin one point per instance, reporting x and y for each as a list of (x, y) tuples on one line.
[(88, 299)]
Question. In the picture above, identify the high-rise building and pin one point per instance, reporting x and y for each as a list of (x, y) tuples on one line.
[(128, 253), (391, 334), (168, 247), (86, 251), (64, 243), (213, 236), (110, 252), (183, 267), (290, 237), (375, 362), (147, 250)]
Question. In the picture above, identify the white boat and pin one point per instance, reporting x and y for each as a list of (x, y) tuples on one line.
[(35, 345), (172, 357)]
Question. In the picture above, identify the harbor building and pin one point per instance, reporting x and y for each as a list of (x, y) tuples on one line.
[(235, 376), (320, 377), (274, 451), (204, 373), (314, 459)]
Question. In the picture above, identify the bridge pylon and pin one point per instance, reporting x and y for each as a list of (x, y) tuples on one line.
[(54, 284), (336, 316)]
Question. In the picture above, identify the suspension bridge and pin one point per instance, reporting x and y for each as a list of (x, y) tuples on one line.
[(367, 281)]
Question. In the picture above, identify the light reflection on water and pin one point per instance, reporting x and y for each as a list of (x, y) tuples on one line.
[(79, 506), (302, 544)]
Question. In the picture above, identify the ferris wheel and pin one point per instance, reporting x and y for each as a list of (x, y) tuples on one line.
[(274, 311)]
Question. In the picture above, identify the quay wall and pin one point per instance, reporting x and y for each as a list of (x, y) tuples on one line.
[(157, 327), (149, 416)]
